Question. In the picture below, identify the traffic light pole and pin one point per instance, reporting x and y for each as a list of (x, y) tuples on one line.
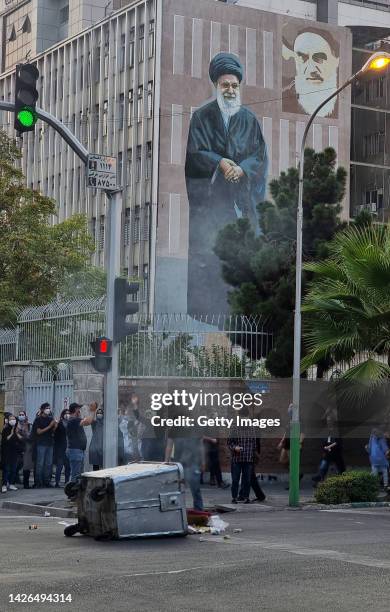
[(110, 444), (113, 270)]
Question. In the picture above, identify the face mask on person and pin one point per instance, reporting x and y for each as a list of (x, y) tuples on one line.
[(47, 411), (22, 418), (99, 417), (12, 422)]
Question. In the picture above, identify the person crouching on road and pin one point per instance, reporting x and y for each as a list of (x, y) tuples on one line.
[(76, 438), (11, 443)]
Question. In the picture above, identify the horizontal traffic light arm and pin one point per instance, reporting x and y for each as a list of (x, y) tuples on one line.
[(59, 127)]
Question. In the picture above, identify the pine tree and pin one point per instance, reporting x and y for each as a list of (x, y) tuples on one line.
[(261, 268)]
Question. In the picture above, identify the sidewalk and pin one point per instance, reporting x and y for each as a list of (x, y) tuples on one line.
[(276, 498)]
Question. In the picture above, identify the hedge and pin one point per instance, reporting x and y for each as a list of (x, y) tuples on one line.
[(351, 486)]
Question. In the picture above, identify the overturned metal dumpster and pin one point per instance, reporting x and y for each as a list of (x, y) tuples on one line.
[(137, 500)]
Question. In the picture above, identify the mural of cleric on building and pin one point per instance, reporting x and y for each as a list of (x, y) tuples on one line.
[(226, 175)]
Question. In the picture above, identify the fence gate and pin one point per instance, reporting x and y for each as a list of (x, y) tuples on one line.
[(47, 384)]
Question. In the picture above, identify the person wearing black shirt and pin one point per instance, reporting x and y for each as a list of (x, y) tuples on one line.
[(76, 438), (43, 430), (11, 443), (60, 443), (332, 453), (96, 446)]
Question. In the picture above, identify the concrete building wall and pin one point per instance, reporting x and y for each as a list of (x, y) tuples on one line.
[(101, 85)]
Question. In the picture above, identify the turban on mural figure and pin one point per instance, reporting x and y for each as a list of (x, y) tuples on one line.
[(225, 63)]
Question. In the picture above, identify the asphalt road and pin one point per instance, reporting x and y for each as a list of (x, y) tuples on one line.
[(281, 561)]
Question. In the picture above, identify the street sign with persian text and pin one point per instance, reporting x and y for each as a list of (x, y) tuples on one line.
[(101, 172)]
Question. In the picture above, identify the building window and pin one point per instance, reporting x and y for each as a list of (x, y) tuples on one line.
[(121, 110), (146, 224), (138, 163), (373, 200), (130, 108), (141, 50), (105, 117), (375, 89), (81, 64), (151, 38), (74, 75), (150, 99), (95, 121), (101, 233), (97, 65), (26, 26), (140, 102), (64, 14), (93, 228), (148, 165), (129, 166), (131, 47), (126, 228), (373, 144), (55, 84), (136, 226), (145, 284), (122, 53), (12, 34), (120, 168)]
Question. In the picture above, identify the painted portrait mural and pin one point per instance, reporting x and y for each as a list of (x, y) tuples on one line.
[(310, 70), (226, 173), (237, 86)]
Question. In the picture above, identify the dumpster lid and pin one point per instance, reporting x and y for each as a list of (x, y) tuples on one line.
[(132, 469)]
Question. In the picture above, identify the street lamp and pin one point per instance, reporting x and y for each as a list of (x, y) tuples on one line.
[(377, 61)]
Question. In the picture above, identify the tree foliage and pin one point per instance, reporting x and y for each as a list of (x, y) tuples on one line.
[(261, 268), (35, 253), (347, 307)]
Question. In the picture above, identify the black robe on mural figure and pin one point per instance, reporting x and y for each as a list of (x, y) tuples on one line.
[(215, 202)]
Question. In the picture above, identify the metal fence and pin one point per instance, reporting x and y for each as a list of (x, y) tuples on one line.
[(217, 346), (165, 345), (8, 349), (59, 330)]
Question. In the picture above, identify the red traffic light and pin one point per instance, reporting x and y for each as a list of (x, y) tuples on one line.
[(103, 346), (101, 360)]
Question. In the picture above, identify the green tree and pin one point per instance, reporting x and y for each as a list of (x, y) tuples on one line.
[(347, 307), (87, 282), (261, 269), (35, 254)]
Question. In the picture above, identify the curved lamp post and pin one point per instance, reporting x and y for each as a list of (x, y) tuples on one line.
[(377, 61)]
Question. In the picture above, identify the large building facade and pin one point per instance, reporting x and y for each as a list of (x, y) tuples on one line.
[(127, 77)]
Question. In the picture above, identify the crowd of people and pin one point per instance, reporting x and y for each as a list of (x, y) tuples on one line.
[(37, 454)]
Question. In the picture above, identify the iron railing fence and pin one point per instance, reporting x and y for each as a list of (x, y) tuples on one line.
[(215, 346), (59, 331), (166, 345), (8, 349), (231, 346)]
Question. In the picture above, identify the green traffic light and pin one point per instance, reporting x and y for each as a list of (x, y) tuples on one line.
[(27, 117)]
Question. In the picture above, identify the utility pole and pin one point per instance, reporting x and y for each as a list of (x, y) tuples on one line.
[(113, 269), (110, 438)]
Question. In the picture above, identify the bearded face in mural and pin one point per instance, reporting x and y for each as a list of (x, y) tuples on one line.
[(316, 73), (226, 166)]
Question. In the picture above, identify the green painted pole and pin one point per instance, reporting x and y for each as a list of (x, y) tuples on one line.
[(295, 456)]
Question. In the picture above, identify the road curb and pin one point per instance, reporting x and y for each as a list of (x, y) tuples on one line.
[(39, 510), (344, 506)]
